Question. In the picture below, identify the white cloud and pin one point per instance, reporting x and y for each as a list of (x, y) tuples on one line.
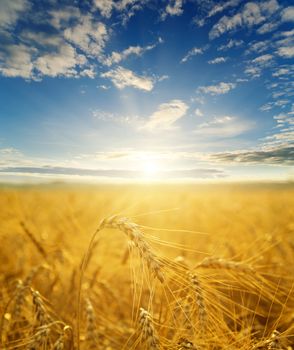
[(28, 62), (252, 14), (255, 72), (288, 14), (122, 77), (218, 8), (267, 107), (218, 60), (226, 126), (89, 35), (281, 71), (193, 52), (263, 60), (117, 57), (288, 33), (17, 62), (10, 156), (198, 112), (258, 47), (166, 115), (219, 89), (269, 7), (174, 8), (258, 64), (11, 10), (126, 8), (88, 72), (230, 44), (221, 7), (268, 27), (103, 87), (286, 51), (106, 116), (61, 63), (105, 7)]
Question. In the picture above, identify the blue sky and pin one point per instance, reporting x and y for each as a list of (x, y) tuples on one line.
[(146, 90)]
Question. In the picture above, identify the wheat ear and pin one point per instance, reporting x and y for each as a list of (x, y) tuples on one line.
[(147, 330), (39, 338), (198, 292), (219, 263), (185, 344), (42, 316), (91, 326), (273, 343), (135, 234)]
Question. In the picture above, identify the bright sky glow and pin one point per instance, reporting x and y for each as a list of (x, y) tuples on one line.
[(120, 90)]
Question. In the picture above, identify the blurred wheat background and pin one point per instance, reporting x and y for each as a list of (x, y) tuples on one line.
[(169, 267)]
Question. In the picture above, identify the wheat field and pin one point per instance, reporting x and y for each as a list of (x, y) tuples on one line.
[(147, 267)]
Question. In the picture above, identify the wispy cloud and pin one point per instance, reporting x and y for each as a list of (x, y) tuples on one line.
[(193, 52), (218, 60), (106, 116), (117, 57), (218, 89), (52, 171), (273, 156), (122, 77), (230, 44), (126, 8), (252, 14), (223, 127), (216, 9), (198, 112), (258, 64), (166, 115)]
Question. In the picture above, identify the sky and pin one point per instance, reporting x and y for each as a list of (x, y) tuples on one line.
[(146, 90)]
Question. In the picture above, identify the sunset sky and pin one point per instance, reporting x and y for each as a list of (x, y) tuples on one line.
[(132, 90)]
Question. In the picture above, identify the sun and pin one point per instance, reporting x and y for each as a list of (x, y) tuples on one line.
[(150, 169)]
